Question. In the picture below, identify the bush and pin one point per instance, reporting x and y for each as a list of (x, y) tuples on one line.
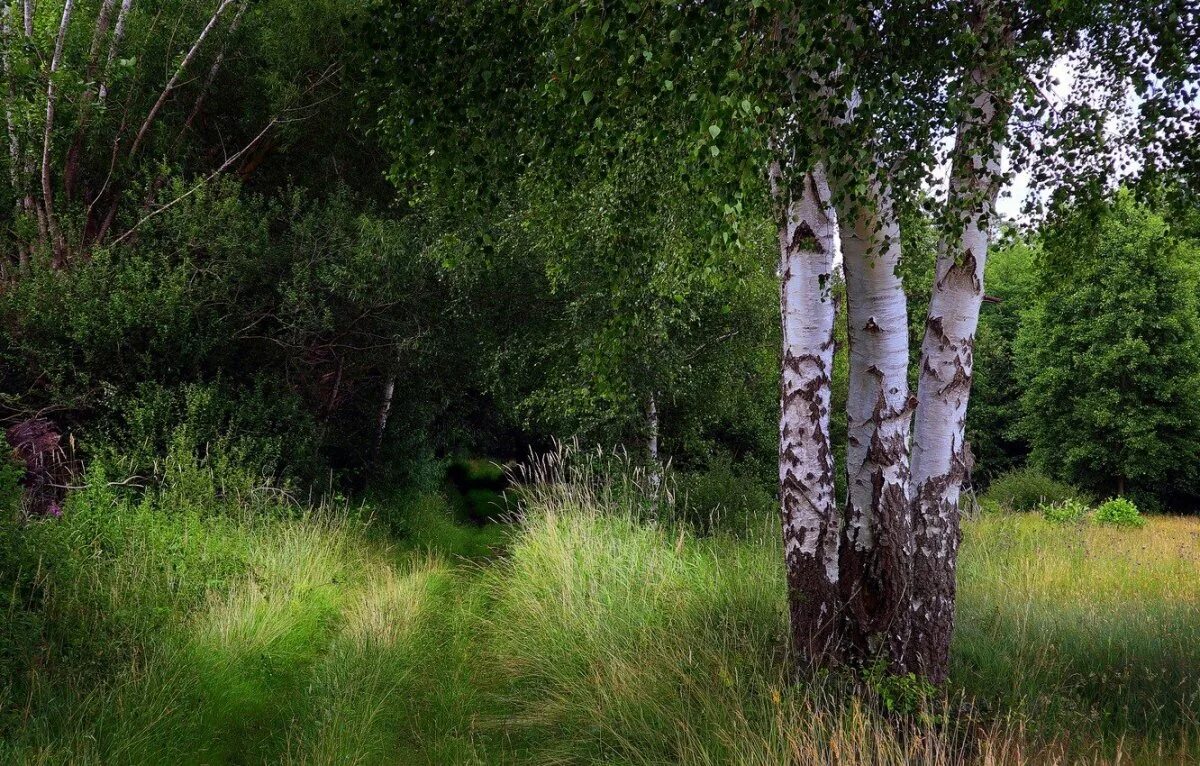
[(11, 490), (1119, 512), (257, 431), (1026, 489), (721, 497), (1069, 511)]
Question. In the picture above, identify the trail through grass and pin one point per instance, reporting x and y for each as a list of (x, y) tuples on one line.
[(141, 634)]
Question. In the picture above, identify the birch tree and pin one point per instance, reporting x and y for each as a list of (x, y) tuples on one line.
[(807, 241), (876, 546), (839, 106)]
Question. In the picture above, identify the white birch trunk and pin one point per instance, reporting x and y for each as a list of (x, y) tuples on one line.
[(807, 234), (385, 409), (939, 462), (56, 237), (23, 204), (213, 71), (114, 46), (877, 541), (99, 33), (655, 468)]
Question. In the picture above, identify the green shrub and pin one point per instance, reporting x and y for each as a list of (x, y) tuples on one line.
[(722, 497), (1027, 489), (1119, 512), (259, 427), (1068, 511), (11, 473)]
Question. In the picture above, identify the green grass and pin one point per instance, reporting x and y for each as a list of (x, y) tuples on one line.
[(157, 631)]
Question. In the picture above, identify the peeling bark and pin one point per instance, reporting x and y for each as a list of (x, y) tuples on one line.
[(939, 460), (876, 544), (806, 486)]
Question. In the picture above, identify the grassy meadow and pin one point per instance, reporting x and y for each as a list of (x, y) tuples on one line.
[(256, 629)]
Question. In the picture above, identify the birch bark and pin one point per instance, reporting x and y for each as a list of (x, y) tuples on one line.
[(114, 46), (24, 204), (140, 138), (939, 459), (655, 467), (876, 544), (807, 231), (56, 237)]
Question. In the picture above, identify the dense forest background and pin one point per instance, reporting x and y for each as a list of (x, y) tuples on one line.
[(268, 258)]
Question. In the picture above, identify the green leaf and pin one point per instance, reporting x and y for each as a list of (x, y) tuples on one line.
[(714, 130), (587, 97)]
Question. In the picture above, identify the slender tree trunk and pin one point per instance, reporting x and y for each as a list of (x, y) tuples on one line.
[(385, 409), (655, 475), (213, 71), (876, 545), (806, 484), (74, 154), (31, 203), (144, 130), (114, 46), (23, 205), (56, 237), (939, 460)]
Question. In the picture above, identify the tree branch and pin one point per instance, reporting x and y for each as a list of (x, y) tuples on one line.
[(224, 166), (170, 87)]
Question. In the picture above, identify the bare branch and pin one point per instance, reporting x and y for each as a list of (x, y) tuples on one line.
[(174, 81), (224, 166)]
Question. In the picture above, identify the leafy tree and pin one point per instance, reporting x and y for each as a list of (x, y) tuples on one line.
[(992, 431), (1110, 353)]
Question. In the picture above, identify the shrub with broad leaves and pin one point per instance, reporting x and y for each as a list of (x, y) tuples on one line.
[(1120, 512), (1068, 511)]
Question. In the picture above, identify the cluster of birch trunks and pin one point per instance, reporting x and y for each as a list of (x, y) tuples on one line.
[(874, 577)]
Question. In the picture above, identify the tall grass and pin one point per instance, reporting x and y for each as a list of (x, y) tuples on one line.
[(1089, 630), (152, 631)]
